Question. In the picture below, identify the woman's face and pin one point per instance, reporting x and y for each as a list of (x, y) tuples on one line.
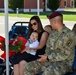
[(34, 24)]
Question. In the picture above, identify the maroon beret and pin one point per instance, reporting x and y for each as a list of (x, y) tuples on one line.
[(54, 14)]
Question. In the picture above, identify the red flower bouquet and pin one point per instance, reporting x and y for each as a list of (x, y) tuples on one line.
[(2, 39), (14, 46)]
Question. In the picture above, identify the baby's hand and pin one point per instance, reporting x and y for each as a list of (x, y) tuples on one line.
[(28, 48)]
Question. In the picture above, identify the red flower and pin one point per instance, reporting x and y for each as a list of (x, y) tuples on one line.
[(18, 45), (22, 39), (13, 41), (2, 39), (0, 45), (23, 42), (11, 52)]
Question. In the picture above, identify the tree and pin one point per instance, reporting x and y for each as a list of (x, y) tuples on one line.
[(53, 4), (13, 4), (44, 9)]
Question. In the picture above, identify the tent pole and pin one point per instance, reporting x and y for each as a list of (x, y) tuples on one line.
[(6, 35), (38, 7)]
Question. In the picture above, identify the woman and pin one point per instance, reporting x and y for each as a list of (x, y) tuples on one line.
[(34, 25), (48, 28)]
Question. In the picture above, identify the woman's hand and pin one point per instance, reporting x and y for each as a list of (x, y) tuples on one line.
[(24, 49)]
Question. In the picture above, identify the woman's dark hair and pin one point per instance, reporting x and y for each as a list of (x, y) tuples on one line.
[(37, 19)]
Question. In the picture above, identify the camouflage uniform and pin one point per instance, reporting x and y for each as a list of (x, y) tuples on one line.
[(60, 50)]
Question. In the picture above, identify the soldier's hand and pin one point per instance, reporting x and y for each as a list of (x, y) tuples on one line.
[(43, 58)]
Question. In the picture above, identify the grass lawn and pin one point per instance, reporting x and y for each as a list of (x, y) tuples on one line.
[(67, 15)]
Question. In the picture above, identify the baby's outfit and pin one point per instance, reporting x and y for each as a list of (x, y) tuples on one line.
[(32, 44)]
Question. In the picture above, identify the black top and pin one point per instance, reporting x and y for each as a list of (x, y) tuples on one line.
[(41, 51)]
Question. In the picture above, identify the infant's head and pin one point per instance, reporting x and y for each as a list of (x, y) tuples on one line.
[(34, 36), (48, 28)]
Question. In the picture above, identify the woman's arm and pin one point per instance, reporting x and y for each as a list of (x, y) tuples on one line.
[(43, 41)]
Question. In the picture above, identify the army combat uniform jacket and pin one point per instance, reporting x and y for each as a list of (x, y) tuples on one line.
[(60, 51)]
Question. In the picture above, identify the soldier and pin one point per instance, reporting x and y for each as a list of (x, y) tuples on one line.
[(59, 51)]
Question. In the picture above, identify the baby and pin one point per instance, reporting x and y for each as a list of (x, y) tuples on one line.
[(48, 28), (32, 42)]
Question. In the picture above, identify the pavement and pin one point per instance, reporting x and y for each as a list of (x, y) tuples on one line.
[(12, 20)]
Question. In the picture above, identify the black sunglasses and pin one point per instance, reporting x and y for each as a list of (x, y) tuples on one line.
[(33, 24)]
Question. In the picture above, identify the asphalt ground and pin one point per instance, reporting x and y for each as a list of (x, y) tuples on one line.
[(12, 20)]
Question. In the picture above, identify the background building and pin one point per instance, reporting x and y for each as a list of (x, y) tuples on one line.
[(31, 5)]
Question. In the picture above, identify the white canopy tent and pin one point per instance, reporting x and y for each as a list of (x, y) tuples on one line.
[(38, 7), (6, 33)]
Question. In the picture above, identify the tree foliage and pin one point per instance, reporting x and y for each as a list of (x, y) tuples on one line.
[(13, 4), (44, 8), (75, 3), (53, 4)]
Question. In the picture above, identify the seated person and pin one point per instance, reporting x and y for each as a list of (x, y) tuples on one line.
[(34, 25), (26, 54), (59, 53), (32, 43), (48, 28)]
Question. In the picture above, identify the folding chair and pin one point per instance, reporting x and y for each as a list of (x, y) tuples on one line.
[(73, 66)]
